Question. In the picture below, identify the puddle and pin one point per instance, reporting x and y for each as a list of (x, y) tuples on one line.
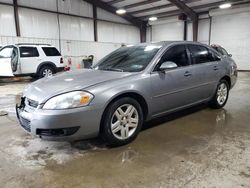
[(3, 113), (8, 104), (30, 152)]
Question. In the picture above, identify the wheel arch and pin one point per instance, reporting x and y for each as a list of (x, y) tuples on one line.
[(228, 79), (131, 94), (46, 63)]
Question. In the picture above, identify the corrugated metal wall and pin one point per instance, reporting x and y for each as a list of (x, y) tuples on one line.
[(113, 32), (38, 24), (76, 33), (7, 21), (172, 30), (203, 31), (73, 28)]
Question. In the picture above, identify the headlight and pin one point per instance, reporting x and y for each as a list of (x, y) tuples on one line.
[(69, 100)]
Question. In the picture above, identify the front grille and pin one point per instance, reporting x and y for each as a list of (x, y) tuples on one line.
[(25, 123), (32, 103)]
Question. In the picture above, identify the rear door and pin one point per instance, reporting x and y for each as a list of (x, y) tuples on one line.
[(5, 61), (206, 70), (29, 58)]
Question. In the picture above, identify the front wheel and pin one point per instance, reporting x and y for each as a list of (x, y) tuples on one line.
[(122, 122), (221, 96)]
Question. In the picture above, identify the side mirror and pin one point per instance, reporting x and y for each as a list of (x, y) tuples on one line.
[(167, 65)]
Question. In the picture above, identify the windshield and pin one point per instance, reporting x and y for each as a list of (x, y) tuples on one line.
[(128, 59), (6, 52)]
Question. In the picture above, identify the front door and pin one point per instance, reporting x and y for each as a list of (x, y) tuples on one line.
[(172, 89), (5, 61)]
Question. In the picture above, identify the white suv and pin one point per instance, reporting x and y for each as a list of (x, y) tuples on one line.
[(36, 60)]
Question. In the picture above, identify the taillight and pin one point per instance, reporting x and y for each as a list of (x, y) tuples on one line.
[(61, 60), (66, 68)]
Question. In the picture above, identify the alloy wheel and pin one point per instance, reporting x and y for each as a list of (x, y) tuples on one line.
[(47, 73), (124, 121), (222, 93)]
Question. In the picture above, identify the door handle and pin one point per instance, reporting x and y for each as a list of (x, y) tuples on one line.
[(216, 68), (187, 74)]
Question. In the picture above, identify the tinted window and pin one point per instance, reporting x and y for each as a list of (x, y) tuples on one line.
[(215, 55), (224, 52), (51, 51), (28, 52), (200, 54), (221, 50), (128, 59), (176, 54)]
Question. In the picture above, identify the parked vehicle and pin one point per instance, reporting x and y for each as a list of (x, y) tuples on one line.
[(37, 60), (127, 87), (221, 50)]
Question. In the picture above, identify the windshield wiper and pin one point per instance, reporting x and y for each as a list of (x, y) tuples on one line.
[(113, 69)]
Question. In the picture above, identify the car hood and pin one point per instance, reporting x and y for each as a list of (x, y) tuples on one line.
[(46, 88)]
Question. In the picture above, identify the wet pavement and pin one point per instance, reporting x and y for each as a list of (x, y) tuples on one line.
[(198, 147)]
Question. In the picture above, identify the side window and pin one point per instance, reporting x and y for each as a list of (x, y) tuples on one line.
[(215, 55), (176, 54), (51, 51), (6, 52), (200, 54), (224, 52), (220, 51), (28, 52)]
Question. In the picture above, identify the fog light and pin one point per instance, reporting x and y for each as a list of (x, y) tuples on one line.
[(57, 132)]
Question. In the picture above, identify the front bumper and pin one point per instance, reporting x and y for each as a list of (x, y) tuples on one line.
[(70, 124)]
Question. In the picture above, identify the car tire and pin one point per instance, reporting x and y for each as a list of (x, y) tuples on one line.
[(46, 71), (221, 95), (121, 127)]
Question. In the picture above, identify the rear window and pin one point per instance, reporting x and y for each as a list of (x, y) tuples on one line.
[(221, 50), (200, 54), (51, 51), (28, 52), (224, 52)]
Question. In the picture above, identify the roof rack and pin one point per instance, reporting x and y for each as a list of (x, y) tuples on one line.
[(33, 44)]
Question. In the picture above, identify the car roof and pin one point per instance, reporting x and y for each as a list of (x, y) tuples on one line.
[(216, 46), (166, 43), (33, 44)]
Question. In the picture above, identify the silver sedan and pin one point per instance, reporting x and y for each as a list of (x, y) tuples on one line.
[(126, 88)]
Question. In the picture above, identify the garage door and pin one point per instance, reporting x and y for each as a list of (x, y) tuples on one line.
[(233, 33)]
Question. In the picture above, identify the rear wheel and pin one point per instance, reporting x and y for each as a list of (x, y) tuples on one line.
[(221, 95), (122, 122), (46, 71)]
